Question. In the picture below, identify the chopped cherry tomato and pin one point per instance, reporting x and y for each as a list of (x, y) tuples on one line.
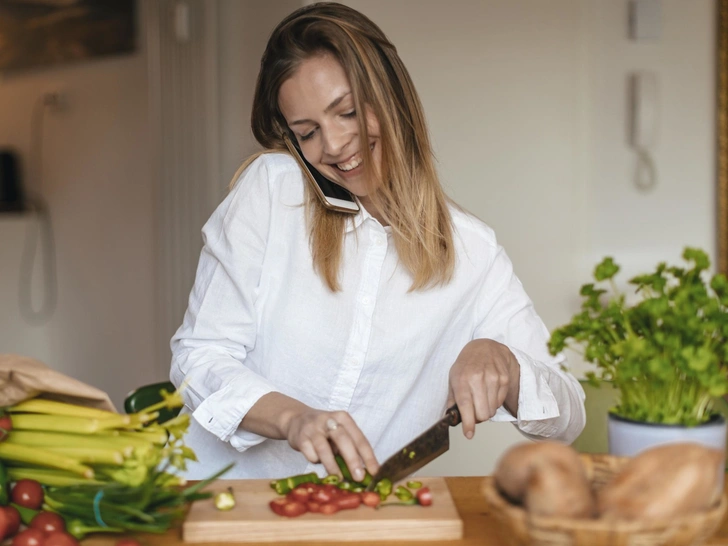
[(331, 489), (310, 487), (277, 505), (299, 494), (424, 496), (27, 493), (313, 506), (294, 509), (371, 498), (288, 508), (348, 502), (48, 522), (322, 496), (329, 508)]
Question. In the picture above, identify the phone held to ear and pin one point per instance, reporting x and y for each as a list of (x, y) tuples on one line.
[(331, 195)]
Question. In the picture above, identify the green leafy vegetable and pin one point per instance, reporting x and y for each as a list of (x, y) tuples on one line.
[(667, 354)]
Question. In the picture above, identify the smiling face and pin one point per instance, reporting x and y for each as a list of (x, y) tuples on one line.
[(318, 106)]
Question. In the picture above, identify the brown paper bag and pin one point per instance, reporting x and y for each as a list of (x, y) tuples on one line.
[(22, 377)]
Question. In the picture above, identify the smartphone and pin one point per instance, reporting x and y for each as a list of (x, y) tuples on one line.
[(331, 195)]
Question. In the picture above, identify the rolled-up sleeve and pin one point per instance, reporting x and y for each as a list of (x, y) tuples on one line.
[(551, 400), (219, 328)]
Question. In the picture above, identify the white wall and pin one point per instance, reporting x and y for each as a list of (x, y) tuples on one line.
[(98, 186), (526, 102), (639, 228), (244, 30)]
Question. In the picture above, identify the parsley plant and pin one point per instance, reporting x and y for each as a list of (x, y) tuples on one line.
[(668, 354)]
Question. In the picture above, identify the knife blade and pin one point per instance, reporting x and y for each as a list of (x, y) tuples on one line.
[(426, 447)]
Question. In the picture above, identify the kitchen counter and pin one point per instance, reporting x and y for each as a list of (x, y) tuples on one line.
[(479, 526)]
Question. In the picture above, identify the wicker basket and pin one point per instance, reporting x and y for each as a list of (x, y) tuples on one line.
[(520, 529)]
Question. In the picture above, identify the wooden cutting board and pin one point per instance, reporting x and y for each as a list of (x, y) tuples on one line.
[(251, 520)]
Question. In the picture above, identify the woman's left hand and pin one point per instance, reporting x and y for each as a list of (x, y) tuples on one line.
[(485, 376)]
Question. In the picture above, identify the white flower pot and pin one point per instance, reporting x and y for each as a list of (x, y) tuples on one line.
[(627, 437)]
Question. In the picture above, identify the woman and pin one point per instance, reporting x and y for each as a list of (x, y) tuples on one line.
[(311, 332)]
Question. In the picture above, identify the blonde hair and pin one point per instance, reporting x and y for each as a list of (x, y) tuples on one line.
[(409, 195)]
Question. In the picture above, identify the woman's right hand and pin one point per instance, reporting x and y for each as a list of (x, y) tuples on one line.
[(319, 434)]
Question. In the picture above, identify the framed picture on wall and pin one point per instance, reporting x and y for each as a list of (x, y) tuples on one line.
[(36, 33)]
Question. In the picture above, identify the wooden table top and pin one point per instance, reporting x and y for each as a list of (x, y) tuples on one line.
[(479, 526)]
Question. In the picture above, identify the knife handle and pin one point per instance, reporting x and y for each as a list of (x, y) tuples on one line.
[(453, 415)]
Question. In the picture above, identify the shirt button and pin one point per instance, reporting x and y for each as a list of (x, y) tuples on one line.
[(366, 300), (378, 240)]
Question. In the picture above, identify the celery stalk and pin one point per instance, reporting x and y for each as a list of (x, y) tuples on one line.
[(89, 455), (52, 407), (156, 436), (48, 476), (77, 425), (41, 457), (60, 439), (138, 420)]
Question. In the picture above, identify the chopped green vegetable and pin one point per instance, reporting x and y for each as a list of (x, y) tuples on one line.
[(402, 493), (225, 500), (284, 485), (384, 488)]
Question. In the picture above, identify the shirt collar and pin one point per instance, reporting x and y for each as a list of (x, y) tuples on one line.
[(362, 216), (358, 218)]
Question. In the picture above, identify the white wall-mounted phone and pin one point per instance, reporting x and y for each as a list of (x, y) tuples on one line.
[(643, 124)]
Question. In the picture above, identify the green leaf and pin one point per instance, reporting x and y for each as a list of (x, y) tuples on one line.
[(699, 257), (606, 269)]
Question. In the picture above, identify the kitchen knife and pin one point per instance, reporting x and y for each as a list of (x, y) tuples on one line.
[(426, 447)]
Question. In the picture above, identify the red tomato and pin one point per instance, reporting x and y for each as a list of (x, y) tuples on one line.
[(5, 524), (48, 522), (277, 505), (370, 498), (424, 496), (329, 508), (6, 425), (299, 494), (313, 506), (294, 509), (322, 496), (331, 489), (27, 493), (310, 487), (59, 538), (28, 537), (14, 517), (348, 502), (127, 542)]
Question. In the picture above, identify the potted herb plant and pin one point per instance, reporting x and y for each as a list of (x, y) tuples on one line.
[(666, 354)]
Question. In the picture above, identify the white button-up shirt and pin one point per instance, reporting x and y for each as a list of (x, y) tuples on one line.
[(260, 319)]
